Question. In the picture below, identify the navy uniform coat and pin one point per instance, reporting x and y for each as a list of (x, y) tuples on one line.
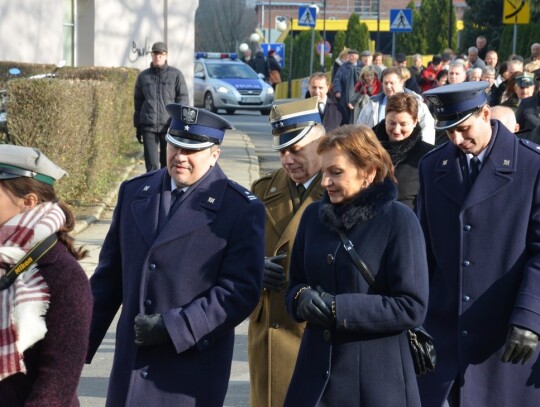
[(365, 360), (484, 252), (202, 271)]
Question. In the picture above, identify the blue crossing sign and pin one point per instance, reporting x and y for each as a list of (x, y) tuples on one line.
[(401, 20), (307, 16)]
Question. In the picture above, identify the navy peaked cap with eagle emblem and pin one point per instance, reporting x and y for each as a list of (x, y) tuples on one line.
[(193, 128), (292, 121), (453, 104)]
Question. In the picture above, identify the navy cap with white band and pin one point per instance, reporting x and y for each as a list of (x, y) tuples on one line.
[(195, 129)]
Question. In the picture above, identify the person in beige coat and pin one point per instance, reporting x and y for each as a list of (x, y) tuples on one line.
[(274, 337)]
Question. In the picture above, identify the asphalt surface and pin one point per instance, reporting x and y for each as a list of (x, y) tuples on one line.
[(239, 161)]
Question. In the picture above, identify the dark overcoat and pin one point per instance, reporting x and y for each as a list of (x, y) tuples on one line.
[(273, 336), (54, 364), (201, 268), (484, 254), (365, 360)]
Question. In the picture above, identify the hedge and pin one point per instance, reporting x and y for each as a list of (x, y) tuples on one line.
[(81, 119)]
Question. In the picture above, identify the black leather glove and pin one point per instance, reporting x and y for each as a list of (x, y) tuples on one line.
[(520, 345), (329, 300), (312, 308), (150, 330), (138, 135), (274, 275)]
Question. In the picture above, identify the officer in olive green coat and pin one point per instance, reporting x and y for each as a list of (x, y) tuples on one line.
[(274, 338)]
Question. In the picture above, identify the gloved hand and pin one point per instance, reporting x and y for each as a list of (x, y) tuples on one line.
[(312, 308), (138, 135), (150, 330), (274, 275), (329, 300), (520, 345)]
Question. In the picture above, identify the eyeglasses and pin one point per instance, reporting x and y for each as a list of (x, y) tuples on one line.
[(157, 53)]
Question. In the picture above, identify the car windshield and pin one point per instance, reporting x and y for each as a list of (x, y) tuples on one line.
[(229, 71)]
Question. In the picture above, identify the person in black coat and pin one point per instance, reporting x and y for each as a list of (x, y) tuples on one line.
[(183, 260), (332, 113), (260, 65), (355, 335), (401, 135), (528, 112)]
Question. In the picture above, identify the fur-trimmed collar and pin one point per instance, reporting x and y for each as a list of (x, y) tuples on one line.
[(363, 207), (398, 150)]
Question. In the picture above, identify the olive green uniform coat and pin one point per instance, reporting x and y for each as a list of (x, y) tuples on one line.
[(274, 337)]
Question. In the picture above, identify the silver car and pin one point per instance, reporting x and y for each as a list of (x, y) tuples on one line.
[(230, 85)]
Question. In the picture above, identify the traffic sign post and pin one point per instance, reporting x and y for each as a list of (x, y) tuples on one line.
[(516, 12), (401, 21), (307, 16), (279, 47)]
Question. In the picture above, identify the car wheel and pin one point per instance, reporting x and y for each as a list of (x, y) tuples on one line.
[(265, 112), (230, 111), (209, 103)]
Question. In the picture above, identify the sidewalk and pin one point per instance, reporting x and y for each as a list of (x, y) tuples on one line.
[(239, 161)]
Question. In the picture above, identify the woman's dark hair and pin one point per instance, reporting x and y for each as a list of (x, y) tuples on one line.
[(363, 148), (22, 186), (442, 72)]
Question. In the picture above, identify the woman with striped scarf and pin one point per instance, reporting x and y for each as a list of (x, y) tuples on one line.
[(45, 298)]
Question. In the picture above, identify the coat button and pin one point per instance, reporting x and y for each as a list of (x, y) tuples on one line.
[(147, 303), (466, 298), (144, 374), (326, 374), (152, 267), (329, 259), (205, 343), (464, 333), (275, 325), (466, 228), (466, 263), (327, 335)]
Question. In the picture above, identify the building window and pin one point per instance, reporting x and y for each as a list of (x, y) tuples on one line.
[(69, 31)]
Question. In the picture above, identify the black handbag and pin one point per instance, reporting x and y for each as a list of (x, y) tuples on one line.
[(420, 341)]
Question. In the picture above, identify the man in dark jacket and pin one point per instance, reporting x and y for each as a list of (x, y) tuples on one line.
[(345, 80), (332, 113), (528, 112), (479, 207), (183, 259), (155, 88)]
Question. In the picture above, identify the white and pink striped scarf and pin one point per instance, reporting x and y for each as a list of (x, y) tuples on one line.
[(23, 305)]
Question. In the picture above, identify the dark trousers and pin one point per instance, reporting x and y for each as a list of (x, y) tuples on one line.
[(155, 150)]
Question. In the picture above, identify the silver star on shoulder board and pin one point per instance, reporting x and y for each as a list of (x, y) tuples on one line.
[(273, 189), (445, 162), (146, 188), (506, 162), (211, 200), (186, 128)]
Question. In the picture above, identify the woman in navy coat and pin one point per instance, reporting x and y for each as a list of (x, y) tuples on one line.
[(354, 351)]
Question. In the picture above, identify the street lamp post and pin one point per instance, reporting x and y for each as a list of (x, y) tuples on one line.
[(254, 38)]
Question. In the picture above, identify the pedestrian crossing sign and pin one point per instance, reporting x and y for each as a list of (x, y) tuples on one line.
[(401, 20), (307, 16)]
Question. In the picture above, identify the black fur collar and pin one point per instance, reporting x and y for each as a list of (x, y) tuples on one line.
[(398, 150), (363, 207)]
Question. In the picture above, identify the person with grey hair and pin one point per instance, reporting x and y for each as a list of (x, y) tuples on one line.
[(417, 67), (473, 59), (457, 72), (474, 74)]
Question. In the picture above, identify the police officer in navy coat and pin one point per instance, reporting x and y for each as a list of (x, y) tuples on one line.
[(184, 258), (482, 226)]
